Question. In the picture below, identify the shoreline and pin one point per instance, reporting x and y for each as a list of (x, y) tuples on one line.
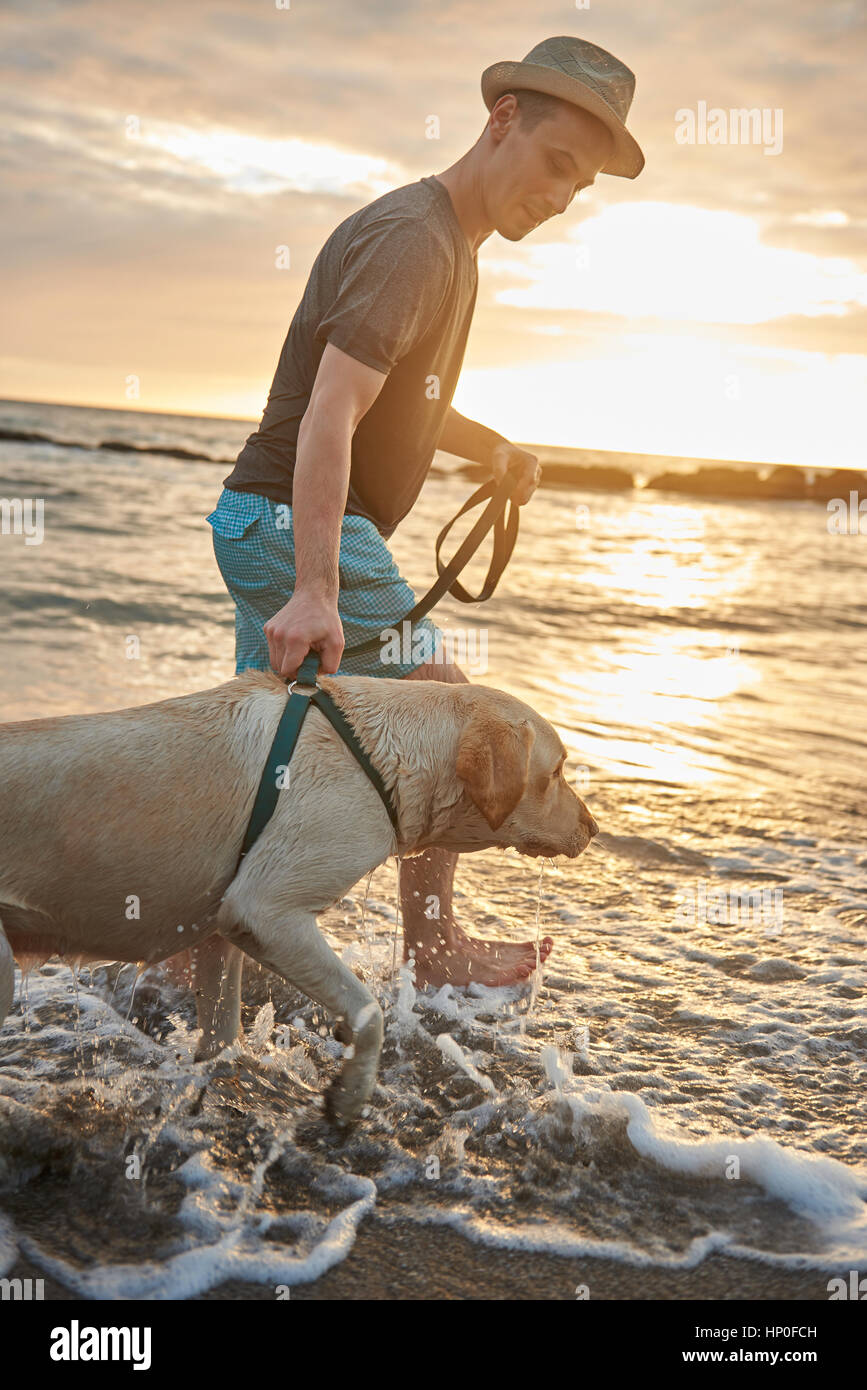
[(595, 470), (403, 1262)]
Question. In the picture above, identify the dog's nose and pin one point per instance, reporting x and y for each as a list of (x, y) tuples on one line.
[(590, 823)]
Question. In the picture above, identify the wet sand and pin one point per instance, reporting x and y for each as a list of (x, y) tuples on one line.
[(405, 1262)]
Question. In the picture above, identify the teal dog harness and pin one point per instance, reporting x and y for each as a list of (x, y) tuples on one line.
[(283, 747)]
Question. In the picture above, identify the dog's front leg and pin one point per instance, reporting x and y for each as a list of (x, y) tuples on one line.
[(7, 975), (294, 947), (216, 969)]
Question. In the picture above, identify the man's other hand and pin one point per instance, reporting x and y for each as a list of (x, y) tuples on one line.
[(306, 621), (508, 458)]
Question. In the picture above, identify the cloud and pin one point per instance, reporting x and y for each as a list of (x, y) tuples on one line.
[(261, 126), (686, 264)]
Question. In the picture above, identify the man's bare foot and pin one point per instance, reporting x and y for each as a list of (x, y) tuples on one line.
[(457, 959)]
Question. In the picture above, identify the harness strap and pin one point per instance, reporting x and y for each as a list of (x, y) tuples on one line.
[(270, 782), (324, 702), (282, 748)]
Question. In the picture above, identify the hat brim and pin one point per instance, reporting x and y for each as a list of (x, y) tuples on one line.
[(627, 159)]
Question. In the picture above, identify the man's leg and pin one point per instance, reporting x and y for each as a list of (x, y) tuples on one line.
[(444, 954)]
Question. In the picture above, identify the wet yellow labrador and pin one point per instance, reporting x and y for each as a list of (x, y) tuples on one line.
[(120, 832)]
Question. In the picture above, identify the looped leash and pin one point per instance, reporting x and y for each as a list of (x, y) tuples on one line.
[(505, 534)]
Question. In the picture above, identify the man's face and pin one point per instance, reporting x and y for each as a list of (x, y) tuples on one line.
[(534, 175)]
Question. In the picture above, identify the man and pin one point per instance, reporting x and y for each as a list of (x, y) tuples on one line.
[(361, 400)]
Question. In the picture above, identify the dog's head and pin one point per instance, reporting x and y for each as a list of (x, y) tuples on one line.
[(510, 763)]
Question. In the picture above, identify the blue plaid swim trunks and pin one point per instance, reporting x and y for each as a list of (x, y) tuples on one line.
[(254, 547)]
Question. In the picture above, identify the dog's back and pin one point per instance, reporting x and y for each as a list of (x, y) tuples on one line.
[(99, 814)]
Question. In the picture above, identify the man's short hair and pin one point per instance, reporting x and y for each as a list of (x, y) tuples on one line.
[(534, 107)]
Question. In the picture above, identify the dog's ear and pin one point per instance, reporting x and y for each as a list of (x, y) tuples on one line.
[(493, 762)]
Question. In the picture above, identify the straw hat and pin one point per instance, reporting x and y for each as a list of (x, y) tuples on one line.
[(576, 71)]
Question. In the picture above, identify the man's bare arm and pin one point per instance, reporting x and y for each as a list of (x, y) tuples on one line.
[(343, 392), (470, 440)]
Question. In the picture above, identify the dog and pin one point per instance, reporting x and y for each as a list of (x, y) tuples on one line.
[(120, 832)]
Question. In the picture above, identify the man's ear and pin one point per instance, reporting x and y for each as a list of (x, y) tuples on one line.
[(493, 762)]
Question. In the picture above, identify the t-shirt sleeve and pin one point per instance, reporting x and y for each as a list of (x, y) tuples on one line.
[(393, 279)]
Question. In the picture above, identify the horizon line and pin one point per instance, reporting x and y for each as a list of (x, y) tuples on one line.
[(527, 444)]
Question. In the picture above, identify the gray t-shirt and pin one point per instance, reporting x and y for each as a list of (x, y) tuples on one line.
[(394, 286)]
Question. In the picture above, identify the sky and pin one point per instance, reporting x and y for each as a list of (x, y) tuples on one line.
[(155, 158)]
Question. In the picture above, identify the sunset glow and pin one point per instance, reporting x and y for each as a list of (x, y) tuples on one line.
[(706, 309)]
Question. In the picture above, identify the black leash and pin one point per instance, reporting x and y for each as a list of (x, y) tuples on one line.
[(505, 534)]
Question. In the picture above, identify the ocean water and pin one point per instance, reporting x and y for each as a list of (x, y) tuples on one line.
[(689, 1073)]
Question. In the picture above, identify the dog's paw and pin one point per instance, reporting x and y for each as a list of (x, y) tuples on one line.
[(333, 1100), (342, 1106)]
